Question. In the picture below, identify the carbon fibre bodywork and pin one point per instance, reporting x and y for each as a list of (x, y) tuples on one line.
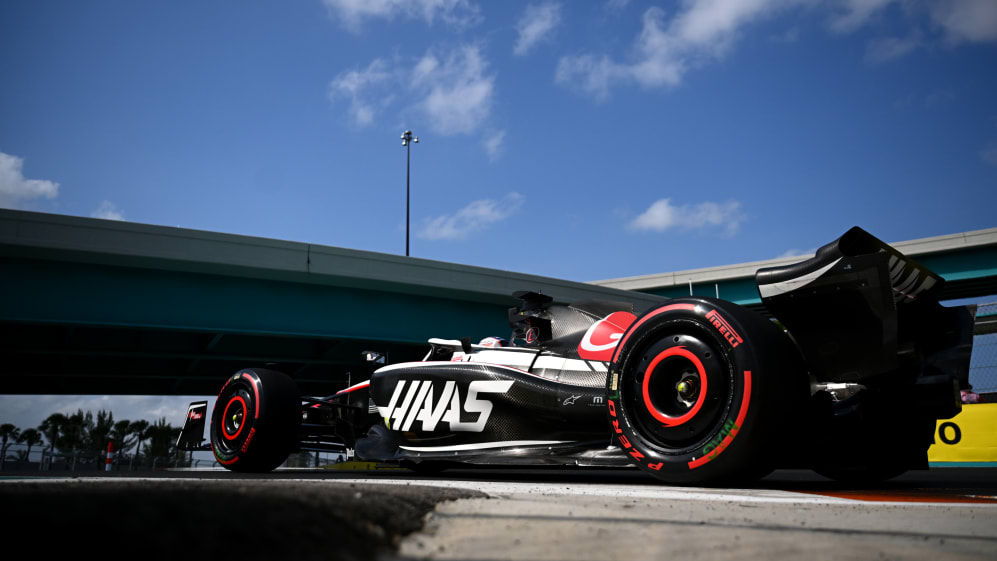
[(462, 409)]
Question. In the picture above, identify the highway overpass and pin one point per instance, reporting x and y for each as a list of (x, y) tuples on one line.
[(93, 306)]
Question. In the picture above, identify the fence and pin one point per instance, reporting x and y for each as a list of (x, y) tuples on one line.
[(41, 459), (983, 365), (19, 459)]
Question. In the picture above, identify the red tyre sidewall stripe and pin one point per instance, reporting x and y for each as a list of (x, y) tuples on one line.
[(661, 417), (245, 411), (226, 462), (741, 414), (641, 321), (222, 460), (256, 393)]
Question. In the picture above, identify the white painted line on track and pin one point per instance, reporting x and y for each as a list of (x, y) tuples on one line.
[(505, 489)]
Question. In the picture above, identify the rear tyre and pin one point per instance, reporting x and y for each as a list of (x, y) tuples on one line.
[(255, 421), (872, 440), (863, 475), (702, 391)]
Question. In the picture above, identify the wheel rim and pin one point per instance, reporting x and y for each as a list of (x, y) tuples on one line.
[(233, 427), (234, 417), (681, 388)]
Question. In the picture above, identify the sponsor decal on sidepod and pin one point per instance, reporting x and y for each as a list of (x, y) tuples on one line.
[(602, 337), (418, 404)]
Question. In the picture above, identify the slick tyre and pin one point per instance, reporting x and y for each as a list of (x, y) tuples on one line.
[(702, 391), (255, 422), (863, 475), (872, 441)]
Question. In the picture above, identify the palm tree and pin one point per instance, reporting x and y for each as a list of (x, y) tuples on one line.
[(31, 437), (7, 432), (140, 429), (122, 436), (52, 428), (100, 432), (162, 438), (75, 431)]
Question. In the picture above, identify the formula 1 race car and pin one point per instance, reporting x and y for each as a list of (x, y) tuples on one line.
[(848, 379)]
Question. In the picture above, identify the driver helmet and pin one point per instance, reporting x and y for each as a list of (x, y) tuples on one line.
[(493, 342)]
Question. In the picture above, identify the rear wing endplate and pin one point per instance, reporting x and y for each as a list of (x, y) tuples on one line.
[(860, 309)]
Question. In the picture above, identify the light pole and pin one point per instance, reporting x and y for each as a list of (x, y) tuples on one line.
[(407, 140)]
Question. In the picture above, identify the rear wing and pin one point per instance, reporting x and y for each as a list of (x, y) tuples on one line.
[(860, 310), (192, 433)]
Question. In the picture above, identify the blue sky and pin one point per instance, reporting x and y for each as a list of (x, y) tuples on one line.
[(668, 135), (579, 140)]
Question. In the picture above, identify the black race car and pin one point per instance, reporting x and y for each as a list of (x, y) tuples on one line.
[(848, 378)]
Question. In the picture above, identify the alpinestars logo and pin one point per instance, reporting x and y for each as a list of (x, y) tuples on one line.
[(413, 401)]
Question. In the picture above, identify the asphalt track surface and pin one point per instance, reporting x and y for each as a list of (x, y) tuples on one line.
[(499, 514)]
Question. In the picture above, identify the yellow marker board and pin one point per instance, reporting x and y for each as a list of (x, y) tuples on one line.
[(970, 436)]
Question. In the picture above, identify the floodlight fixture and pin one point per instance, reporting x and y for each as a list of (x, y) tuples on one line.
[(407, 140)]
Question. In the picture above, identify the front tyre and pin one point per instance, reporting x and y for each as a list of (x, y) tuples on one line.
[(702, 390), (255, 421)]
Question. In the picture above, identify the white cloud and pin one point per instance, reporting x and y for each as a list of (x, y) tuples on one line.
[(458, 93), (14, 187), (493, 145), (663, 215), (536, 24), (451, 88), (476, 216), (853, 14), (702, 31), (798, 253), (589, 73), (457, 13), (791, 35), (989, 154), (108, 211), (966, 20), (353, 83), (616, 5), (890, 48), (961, 20), (665, 50)]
